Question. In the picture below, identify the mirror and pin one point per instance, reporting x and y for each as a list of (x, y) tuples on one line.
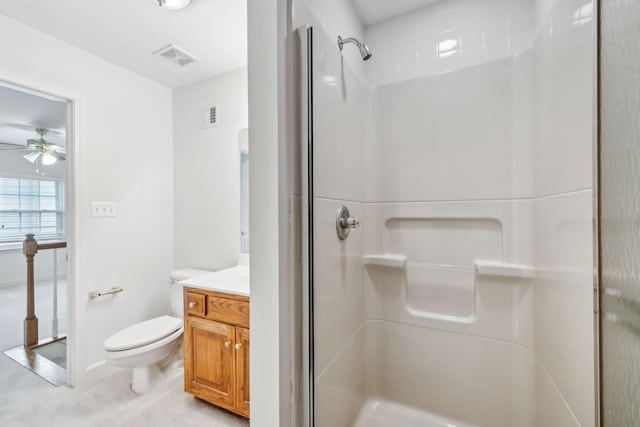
[(244, 191)]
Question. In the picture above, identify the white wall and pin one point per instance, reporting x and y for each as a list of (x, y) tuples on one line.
[(447, 36), (563, 87), (334, 17), (125, 124), (269, 24), (14, 268), (207, 171)]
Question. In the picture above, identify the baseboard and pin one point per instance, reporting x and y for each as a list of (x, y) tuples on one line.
[(96, 365)]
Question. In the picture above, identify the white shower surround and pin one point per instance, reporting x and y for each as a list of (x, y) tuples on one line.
[(432, 147)]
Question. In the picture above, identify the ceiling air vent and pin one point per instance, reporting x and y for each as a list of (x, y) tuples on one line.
[(209, 117), (175, 55)]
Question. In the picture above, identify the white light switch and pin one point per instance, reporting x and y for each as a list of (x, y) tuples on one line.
[(103, 209)]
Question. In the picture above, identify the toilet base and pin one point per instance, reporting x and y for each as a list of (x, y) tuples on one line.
[(144, 378)]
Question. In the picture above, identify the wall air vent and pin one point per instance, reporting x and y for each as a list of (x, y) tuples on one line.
[(176, 55), (209, 116)]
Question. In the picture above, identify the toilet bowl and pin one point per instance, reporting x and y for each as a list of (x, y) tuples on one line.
[(141, 346)]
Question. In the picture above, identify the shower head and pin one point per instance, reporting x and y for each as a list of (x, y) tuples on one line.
[(364, 49)]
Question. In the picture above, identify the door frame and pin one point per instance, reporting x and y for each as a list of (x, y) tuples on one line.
[(75, 199)]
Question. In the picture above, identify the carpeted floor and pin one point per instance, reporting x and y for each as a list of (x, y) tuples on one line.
[(106, 400)]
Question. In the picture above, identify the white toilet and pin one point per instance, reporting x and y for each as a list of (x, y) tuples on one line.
[(143, 345)]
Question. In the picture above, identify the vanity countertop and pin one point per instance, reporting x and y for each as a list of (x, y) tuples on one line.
[(234, 280)]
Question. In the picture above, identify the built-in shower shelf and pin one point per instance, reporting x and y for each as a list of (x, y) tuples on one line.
[(386, 260), (481, 267), (499, 268)]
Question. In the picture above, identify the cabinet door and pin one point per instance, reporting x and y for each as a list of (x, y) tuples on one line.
[(242, 369), (209, 369)]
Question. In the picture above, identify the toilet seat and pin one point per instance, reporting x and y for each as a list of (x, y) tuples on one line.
[(143, 334)]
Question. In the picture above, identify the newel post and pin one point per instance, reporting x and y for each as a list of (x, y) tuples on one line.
[(30, 249)]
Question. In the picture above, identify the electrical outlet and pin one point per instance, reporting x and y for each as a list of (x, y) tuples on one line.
[(103, 209)]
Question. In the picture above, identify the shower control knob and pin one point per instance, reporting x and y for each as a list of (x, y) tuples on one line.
[(345, 222), (351, 223)]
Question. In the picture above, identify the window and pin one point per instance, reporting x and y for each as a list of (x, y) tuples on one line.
[(31, 206)]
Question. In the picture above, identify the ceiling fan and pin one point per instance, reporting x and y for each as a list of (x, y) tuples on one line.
[(40, 148), (50, 153)]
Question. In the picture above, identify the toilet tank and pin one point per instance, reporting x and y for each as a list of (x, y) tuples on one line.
[(177, 300)]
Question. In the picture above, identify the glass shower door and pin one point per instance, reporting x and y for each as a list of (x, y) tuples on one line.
[(620, 212)]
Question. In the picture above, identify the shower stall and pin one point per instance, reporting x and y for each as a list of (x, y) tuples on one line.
[(456, 288)]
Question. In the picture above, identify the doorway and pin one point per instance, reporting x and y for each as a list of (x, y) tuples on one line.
[(34, 219)]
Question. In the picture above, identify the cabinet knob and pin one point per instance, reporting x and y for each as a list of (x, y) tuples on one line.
[(238, 346), (227, 344), (192, 304)]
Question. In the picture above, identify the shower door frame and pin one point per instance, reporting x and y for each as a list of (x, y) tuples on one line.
[(305, 35), (595, 172)]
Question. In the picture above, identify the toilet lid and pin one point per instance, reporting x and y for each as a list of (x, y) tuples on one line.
[(143, 333)]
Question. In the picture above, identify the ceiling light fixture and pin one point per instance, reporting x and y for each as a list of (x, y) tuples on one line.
[(173, 4), (48, 159), (47, 152), (32, 156)]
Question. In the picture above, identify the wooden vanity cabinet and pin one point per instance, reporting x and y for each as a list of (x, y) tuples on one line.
[(216, 348)]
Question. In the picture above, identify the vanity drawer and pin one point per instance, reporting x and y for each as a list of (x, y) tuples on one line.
[(228, 310), (194, 303)]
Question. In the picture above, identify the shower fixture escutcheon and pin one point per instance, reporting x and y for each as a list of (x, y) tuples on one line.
[(345, 222)]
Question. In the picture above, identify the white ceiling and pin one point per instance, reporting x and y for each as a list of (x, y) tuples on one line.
[(21, 113), (374, 11), (126, 32)]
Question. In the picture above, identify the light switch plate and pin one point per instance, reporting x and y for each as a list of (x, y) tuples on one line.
[(104, 209)]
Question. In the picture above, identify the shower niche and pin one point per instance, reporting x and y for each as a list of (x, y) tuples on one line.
[(442, 268), (437, 267)]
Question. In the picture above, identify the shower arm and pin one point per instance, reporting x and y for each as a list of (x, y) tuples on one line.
[(365, 52), (342, 42)]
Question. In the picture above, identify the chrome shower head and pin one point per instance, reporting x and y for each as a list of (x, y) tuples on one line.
[(364, 49)]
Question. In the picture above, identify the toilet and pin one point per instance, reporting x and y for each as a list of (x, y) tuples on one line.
[(143, 345)]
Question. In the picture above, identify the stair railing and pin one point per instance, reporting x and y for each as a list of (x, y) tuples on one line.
[(30, 248)]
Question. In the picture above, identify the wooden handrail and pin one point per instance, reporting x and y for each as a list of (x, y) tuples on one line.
[(30, 248), (52, 245)]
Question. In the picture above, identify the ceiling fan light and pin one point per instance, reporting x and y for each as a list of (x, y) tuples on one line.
[(48, 159), (173, 4), (32, 157)]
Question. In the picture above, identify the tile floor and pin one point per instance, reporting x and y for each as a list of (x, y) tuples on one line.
[(106, 400)]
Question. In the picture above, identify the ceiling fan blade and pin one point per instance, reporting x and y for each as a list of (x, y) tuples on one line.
[(58, 149), (14, 149), (57, 155), (32, 128), (11, 147)]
